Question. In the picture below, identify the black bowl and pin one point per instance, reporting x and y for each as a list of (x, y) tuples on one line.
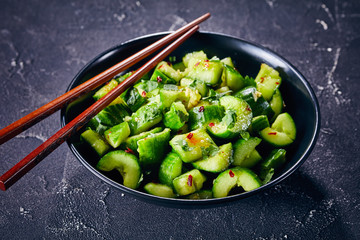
[(300, 101)]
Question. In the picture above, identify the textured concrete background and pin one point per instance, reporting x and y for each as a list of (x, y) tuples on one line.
[(43, 44)]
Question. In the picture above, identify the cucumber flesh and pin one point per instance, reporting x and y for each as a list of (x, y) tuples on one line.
[(243, 148), (274, 161), (276, 103), (176, 117), (202, 194), (267, 81), (218, 162), (145, 117), (127, 164), (117, 134), (189, 182), (96, 142), (160, 190), (170, 168), (131, 142), (226, 181), (206, 71), (194, 57), (191, 146)]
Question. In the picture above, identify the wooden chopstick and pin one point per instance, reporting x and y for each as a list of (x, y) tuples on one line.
[(31, 160), (39, 114)]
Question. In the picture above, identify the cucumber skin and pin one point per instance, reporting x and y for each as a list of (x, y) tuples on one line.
[(131, 142), (96, 142), (117, 134), (243, 148), (267, 81), (126, 163), (181, 182), (170, 168)]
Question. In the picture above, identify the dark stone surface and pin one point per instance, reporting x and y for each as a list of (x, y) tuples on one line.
[(43, 44)]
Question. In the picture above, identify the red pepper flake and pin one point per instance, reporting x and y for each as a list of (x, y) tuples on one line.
[(262, 79), (128, 150), (190, 135), (143, 94), (211, 124), (231, 173), (201, 108), (169, 63), (277, 83), (206, 60), (206, 65), (161, 66), (248, 108), (189, 181), (159, 79), (197, 64), (272, 133)]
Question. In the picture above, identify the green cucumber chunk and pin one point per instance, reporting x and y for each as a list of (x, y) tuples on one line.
[(193, 145), (147, 88), (159, 76), (145, 117), (176, 117), (248, 180), (276, 104), (131, 142), (133, 99), (169, 71), (281, 133), (217, 162), (127, 164), (110, 116), (232, 78), (202, 194), (228, 61), (117, 134), (189, 182), (267, 81), (170, 168), (96, 142), (237, 118), (105, 89), (274, 161), (194, 57), (206, 71), (201, 116), (258, 123), (257, 102), (243, 148), (196, 85), (160, 190), (251, 160), (167, 97), (224, 182), (153, 148)]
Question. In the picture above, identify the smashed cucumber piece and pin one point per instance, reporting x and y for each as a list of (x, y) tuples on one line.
[(281, 133), (145, 117), (176, 117), (193, 145), (235, 177), (237, 118), (169, 71), (242, 149), (127, 165), (96, 142), (189, 182), (206, 71), (193, 57), (152, 149), (160, 190), (195, 84), (131, 142), (267, 81), (218, 161), (201, 116), (117, 134), (170, 168)]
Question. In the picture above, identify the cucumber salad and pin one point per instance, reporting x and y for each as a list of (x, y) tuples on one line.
[(194, 129)]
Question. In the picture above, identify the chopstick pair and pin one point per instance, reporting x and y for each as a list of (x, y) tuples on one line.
[(31, 160)]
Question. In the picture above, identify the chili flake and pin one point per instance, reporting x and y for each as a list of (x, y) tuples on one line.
[(161, 66), (272, 133), (211, 124), (197, 64), (143, 94), (128, 150), (262, 79), (190, 135), (206, 65), (248, 108), (201, 108), (159, 79), (231, 173), (277, 83), (207, 60), (189, 181)]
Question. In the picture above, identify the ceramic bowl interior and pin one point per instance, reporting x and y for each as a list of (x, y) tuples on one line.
[(299, 98)]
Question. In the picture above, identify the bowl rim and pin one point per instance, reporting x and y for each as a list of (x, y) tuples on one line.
[(175, 202)]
